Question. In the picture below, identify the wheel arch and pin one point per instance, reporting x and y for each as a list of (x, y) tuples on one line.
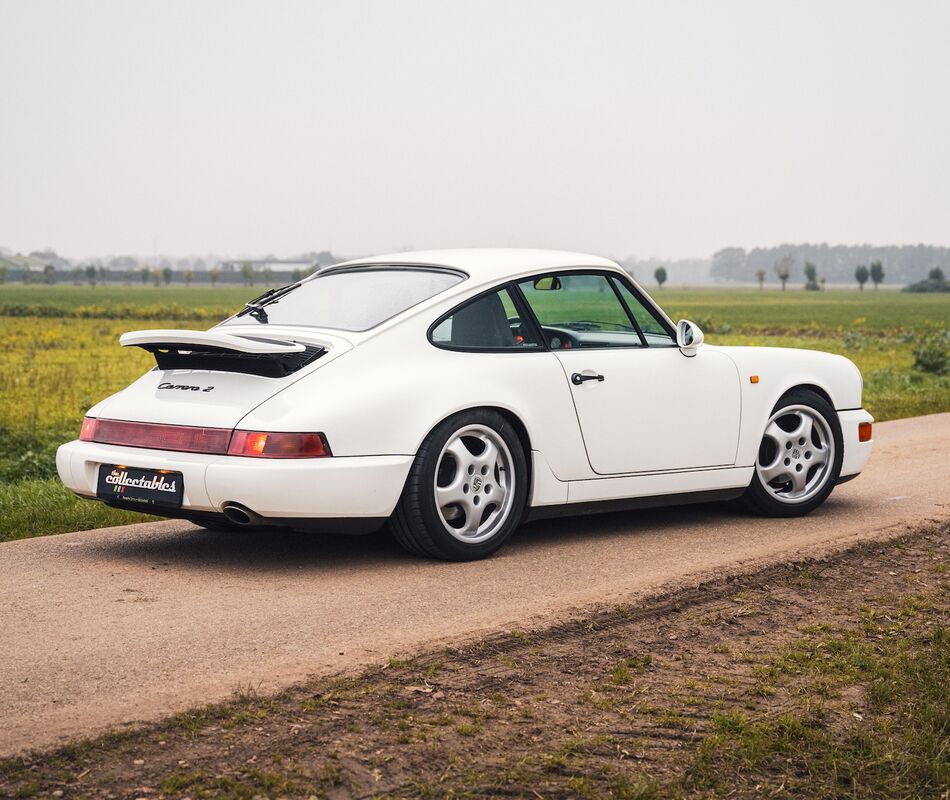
[(810, 387)]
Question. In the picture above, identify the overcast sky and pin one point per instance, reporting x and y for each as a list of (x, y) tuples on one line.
[(654, 129)]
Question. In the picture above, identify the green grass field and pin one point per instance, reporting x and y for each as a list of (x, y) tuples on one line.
[(59, 354)]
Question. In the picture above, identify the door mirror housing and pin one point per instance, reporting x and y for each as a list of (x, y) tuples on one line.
[(689, 337)]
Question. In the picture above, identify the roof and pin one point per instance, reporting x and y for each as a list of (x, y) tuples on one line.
[(485, 264)]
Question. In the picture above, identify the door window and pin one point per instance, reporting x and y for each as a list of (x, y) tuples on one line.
[(579, 311), (489, 322)]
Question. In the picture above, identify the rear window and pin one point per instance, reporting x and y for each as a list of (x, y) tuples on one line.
[(355, 299)]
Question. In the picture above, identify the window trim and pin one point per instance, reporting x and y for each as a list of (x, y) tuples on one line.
[(651, 308), (525, 314)]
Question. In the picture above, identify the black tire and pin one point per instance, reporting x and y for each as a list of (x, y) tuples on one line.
[(417, 523), (759, 499)]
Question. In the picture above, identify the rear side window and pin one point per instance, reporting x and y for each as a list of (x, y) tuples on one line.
[(489, 322)]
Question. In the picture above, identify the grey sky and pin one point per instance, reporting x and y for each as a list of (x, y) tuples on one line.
[(663, 128)]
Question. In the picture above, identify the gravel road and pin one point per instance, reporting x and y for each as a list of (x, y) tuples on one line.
[(105, 628)]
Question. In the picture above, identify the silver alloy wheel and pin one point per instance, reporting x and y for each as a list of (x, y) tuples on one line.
[(796, 455), (474, 483)]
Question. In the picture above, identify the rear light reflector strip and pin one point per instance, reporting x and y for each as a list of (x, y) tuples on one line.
[(182, 438)]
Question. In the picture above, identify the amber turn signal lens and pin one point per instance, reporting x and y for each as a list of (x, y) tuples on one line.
[(753, 379), (258, 444), (864, 432)]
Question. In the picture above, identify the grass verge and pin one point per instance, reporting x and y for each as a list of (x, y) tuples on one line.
[(42, 506)]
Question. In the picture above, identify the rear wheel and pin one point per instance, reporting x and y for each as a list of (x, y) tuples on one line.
[(466, 490), (799, 457)]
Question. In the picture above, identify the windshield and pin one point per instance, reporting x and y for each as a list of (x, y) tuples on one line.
[(354, 299)]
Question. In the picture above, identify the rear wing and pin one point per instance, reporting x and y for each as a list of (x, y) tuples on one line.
[(223, 352)]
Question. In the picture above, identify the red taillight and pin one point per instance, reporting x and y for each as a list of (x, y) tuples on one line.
[(864, 431), (258, 444), (218, 441), (183, 438), (88, 431)]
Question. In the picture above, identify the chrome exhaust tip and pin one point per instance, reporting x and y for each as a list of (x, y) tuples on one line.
[(240, 515)]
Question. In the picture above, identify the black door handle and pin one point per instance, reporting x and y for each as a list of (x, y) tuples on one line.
[(577, 379)]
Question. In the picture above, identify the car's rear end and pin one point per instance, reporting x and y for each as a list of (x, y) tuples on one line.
[(172, 443)]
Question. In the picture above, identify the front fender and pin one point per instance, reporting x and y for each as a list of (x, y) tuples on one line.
[(779, 370)]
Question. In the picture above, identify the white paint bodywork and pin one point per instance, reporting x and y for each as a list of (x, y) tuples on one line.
[(661, 423)]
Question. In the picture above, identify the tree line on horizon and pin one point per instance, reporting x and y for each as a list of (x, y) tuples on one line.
[(835, 263)]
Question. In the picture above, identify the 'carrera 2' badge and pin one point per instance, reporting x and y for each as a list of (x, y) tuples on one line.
[(185, 387)]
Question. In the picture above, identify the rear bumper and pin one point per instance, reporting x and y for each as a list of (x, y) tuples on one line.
[(292, 489), (856, 454)]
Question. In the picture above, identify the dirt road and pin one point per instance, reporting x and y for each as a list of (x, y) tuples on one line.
[(108, 627)]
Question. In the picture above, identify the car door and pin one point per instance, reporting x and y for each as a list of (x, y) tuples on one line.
[(641, 404)]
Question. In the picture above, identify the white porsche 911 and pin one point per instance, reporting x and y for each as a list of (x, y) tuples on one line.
[(457, 394)]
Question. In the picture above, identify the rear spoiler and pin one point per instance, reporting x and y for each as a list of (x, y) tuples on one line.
[(223, 352)]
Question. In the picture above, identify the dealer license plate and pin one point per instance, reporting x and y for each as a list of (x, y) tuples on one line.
[(148, 487)]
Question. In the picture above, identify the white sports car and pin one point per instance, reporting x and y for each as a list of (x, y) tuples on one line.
[(457, 394)]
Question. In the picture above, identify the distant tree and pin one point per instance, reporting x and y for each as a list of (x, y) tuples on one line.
[(127, 277), (247, 273), (4, 271), (103, 274), (936, 274), (877, 273), (783, 269), (660, 274), (167, 273), (296, 275), (91, 273), (760, 277), (214, 275), (49, 274), (268, 274), (823, 281), (188, 276), (145, 273), (861, 275), (811, 277), (76, 272)]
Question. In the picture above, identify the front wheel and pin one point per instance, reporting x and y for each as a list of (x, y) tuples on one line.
[(466, 491), (799, 457)]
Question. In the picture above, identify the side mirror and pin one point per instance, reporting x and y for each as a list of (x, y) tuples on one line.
[(549, 284), (689, 338)]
